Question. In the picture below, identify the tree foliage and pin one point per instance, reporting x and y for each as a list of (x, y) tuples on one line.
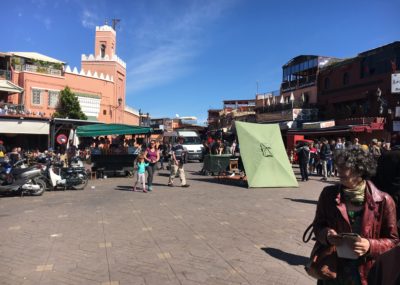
[(68, 106)]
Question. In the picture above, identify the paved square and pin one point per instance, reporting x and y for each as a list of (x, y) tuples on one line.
[(209, 233)]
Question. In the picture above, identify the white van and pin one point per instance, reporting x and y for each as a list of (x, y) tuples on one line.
[(192, 143)]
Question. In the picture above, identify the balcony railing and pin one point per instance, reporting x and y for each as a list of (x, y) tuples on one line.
[(5, 74), (300, 83), (39, 69), (11, 109), (19, 111), (285, 106)]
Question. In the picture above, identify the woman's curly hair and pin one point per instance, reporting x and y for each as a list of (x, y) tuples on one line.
[(360, 161)]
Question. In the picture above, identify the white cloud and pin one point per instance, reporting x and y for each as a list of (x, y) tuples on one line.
[(89, 19), (46, 21), (167, 41)]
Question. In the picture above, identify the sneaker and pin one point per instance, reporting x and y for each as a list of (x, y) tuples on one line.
[(185, 185), (144, 190), (150, 188), (170, 185)]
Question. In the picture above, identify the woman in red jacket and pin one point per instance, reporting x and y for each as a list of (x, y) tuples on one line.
[(356, 206)]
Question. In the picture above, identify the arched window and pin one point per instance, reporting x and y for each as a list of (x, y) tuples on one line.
[(327, 83), (346, 78), (103, 50)]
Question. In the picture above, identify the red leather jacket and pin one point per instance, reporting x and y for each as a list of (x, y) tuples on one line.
[(378, 222)]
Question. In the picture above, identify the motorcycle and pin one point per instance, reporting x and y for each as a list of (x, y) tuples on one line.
[(27, 180), (67, 178)]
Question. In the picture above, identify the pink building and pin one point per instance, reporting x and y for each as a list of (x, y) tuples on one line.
[(30, 83)]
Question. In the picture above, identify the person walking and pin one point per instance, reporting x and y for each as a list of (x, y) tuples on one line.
[(303, 155), (375, 149), (152, 156), (325, 155), (141, 173), (177, 159), (3, 151), (356, 206)]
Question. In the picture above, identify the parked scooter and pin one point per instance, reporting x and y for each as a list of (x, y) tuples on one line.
[(14, 179), (65, 178)]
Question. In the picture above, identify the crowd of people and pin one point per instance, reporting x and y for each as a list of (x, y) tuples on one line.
[(317, 157)]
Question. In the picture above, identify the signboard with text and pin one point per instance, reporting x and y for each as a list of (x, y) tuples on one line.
[(396, 83)]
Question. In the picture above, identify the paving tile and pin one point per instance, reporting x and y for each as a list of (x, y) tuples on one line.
[(213, 234)]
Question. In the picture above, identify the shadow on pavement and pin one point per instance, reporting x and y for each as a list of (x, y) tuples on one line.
[(289, 258), (124, 188), (303, 201), (237, 183)]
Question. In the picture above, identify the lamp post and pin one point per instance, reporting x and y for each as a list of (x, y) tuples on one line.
[(140, 117)]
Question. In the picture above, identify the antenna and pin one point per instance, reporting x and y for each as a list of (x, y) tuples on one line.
[(115, 23)]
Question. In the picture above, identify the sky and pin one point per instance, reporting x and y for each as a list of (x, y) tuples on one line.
[(187, 56)]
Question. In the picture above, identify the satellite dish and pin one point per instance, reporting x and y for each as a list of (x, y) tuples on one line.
[(177, 115)]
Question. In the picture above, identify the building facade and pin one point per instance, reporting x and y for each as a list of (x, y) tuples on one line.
[(99, 85), (358, 91)]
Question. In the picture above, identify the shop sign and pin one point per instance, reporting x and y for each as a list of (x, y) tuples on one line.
[(396, 83)]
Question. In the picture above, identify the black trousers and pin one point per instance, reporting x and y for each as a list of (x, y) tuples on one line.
[(150, 173), (303, 170)]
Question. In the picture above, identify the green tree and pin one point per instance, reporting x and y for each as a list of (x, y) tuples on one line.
[(68, 106)]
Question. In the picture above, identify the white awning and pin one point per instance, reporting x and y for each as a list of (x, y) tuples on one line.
[(19, 126), (36, 55), (10, 87)]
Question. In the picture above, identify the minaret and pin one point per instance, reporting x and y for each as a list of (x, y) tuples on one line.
[(106, 62), (105, 42)]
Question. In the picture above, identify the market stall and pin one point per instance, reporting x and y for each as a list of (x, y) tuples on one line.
[(114, 158)]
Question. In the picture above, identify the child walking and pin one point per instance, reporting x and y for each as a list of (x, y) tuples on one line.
[(141, 165)]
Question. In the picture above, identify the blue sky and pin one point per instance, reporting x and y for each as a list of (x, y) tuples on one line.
[(186, 56)]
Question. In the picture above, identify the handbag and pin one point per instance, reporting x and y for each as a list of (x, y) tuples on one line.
[(323, 259)]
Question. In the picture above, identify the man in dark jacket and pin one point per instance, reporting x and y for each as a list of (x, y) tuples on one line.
[(325, 155), (303, 154)]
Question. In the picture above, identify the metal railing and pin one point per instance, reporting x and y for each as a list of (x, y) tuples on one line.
[(38, 69), (285, 106), (11, 109)]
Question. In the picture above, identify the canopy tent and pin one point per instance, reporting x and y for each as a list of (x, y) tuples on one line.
[(111, 129), (264, 156)]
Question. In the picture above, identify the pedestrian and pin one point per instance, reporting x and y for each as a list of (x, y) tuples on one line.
[(141, 173), (303, 155), (3, 150), (14, 156), (325, 155), (313, 158), (152, 156), (356, 206), (375, 149), (177, 161)]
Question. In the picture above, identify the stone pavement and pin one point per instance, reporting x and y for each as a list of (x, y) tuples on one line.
[(209, 233)]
